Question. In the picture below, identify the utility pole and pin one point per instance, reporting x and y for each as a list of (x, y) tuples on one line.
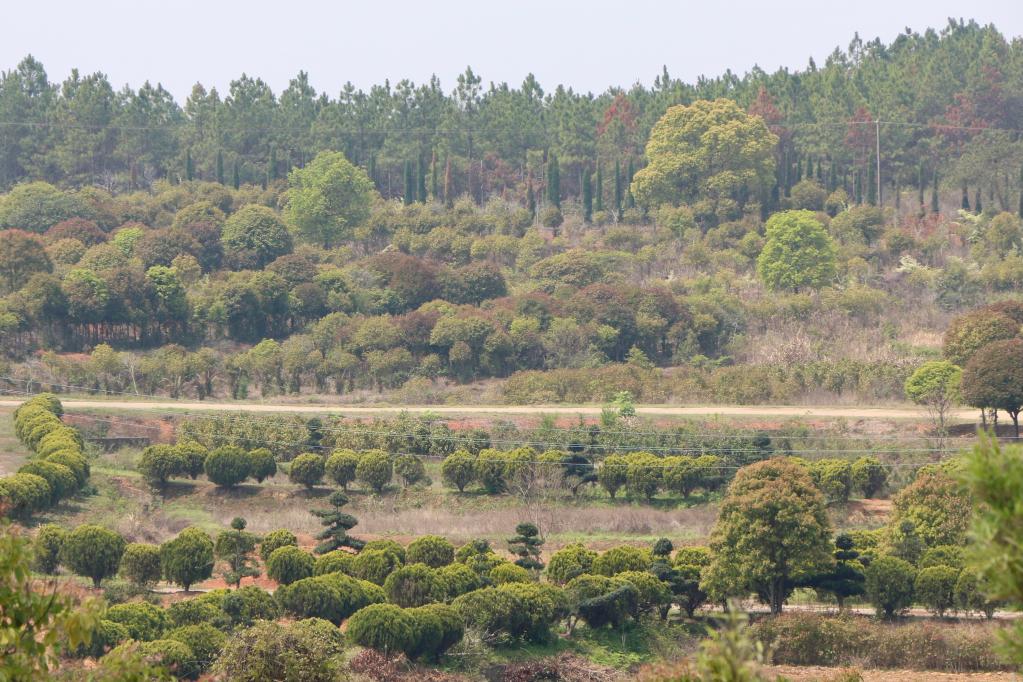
[(877, 154)]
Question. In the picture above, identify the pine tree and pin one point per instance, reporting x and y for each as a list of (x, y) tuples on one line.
[(832, 178), (338, 523), (935, 205), (820, 171), (273, 163), (530, 197), (630, 201), (858, 187), (433, 175), (872, 183), (235, 548), (410, 186), (809, 168), (587, 197), (920, 184), (526, 546), (237, 175), (553, 181), (220, 167), (189, 169), (421, 177), (598, 190), (617, 206), (977, 205), (448, 201), (965, 203)]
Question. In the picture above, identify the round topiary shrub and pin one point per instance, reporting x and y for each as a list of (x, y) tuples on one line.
[(507, 572), (140, 564), (374, 565), (274, 539), (205, 641), (289, 564), (144, 621), (493, 612), (105, 637), (432, 550), (338, 561), (414, 585), (384, 627), (341, 466), (227, 466), (374, 469), (92, 551), (306, 470)]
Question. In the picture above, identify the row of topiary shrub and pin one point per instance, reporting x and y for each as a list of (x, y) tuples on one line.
[(57, 471)]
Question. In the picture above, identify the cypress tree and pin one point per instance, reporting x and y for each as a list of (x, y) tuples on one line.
[(410, 186), (220, 167), (421, 173), (935, 205), (965, 203), (237, 175), (598, 190), (872, 183), (553, 181), (977, 205), (858, 187), (587, 197), (630, 201), (189, 169), (273, 163), (618, 187), (433, 175)]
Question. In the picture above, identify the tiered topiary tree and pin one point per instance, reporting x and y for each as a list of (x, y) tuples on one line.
[(526, 546), (337, 523)]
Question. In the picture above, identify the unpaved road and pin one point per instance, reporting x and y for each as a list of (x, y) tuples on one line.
[(652, 410)]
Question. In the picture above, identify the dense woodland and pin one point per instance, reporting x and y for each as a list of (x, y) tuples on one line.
[(509, 246)]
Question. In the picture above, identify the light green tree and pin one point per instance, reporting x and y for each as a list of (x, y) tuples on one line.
[(798, 253), (935, 385), (327, 199)]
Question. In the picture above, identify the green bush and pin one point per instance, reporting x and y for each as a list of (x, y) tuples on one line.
[(288, 564), (543, 606), (338, 561), (205, 642), (889, 584), (159, 463), (458, 579), (105, 637), (934, 587), (140, 564), (188, 558), (414, 585), (73, 460), (92, 551), (262, 464), (307, 470), (494, 613), (374, 565), (281, 537), (227, 466), (507, 572), (384, 627), (172, 655), (275, 651), (192, 612), (619, 559), (340, 467), (438, 627), (23, 494), (46, 548), (143, 620), (60, 480), (432, 550), (458, 469), (410, 469), (193, 457), (374, 469), (568, 562)]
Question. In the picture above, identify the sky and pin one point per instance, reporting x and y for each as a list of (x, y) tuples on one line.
[(586, 45)]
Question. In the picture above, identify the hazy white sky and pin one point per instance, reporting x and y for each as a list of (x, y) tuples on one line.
[(589, 45)]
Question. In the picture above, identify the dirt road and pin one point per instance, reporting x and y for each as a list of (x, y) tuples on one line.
[(651, 410)]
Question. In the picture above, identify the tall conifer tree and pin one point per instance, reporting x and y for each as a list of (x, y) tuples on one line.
[(587, 197)]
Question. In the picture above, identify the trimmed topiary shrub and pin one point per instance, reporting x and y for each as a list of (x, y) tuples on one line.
[(432, 550), (384, 627), (274, 539), (288, 564), (143, 620)]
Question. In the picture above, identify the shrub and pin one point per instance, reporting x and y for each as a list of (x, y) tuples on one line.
[(193, 458), (612, 474), (24, 493), (73, 460), (263, 464), (507, 572), (542, 607), (653, 592), (281, 537), (203, 640), (599, 600), (410, 469), (458, 469), (158, 463), (275, 651), (493, 612), (934, 587), (943, 555), (432, 550), (248, 604), (338, 561), (458, 579), (105, 637), (227, 466), (414, 585), (490, 470), (307, 470), (374, 565), (889, 584), (188, 558), (289, 564), (192, 612), (568, 562), (143, 620), (92, 551), (171, 655), (60, 480), (140, 564), (388, 546), (341, 466), (313, 597), (46, 548), (619, 559), (438, 627), (384, 627), (374, 469)]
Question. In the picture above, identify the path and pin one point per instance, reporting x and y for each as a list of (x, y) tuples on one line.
[(652, 410)]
